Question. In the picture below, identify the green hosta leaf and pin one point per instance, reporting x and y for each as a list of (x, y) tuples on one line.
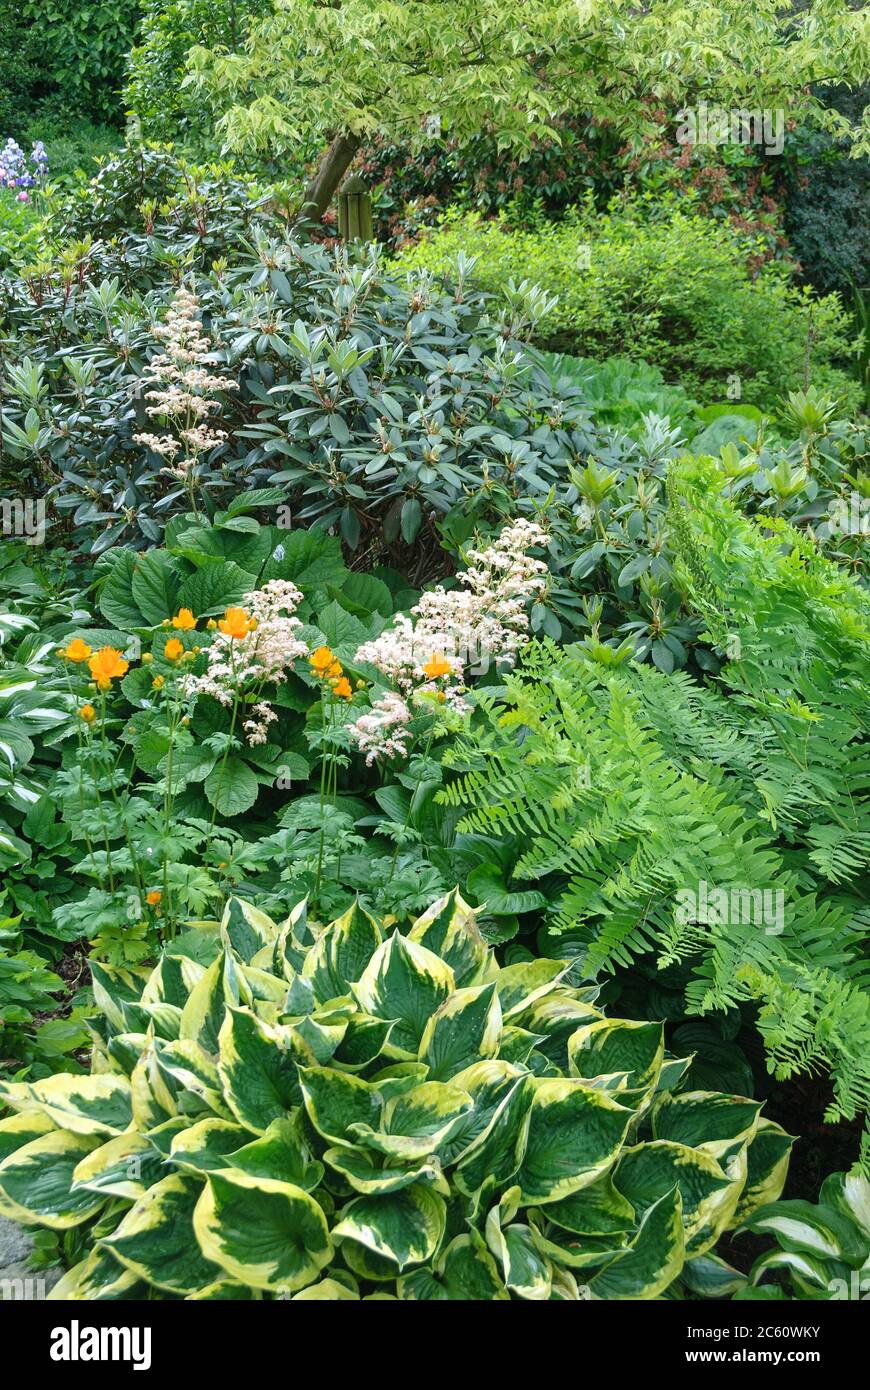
[(36, 1181), (846, 1193), (327, 1291), (247, 930), (267, 1234), (653, 1259), (449, 929), (334, 1102), (520, 985), (257, 1069), (17, 1130), (403, 1228), (364, 1040), (404, 982), (596, 1210), (156, 1238), (799, 1226), (647, 1171), (487, 886), (81, 1104), (282, 1154), (466, 1271), (620, 1045), (206, 1145), (417, 1123), (767, 1167), (717, 1121), (362, 1171), (710, 1277), (231, 787), (191, 1077), (463, 1030), (98, 1279), (574, 1134), (172, 981), (124, 1167), (342, 953), (203, 1015), (525, 1269)]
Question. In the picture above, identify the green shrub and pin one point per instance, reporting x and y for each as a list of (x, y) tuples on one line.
[(338, 1112), (666, 285), (70, 55)]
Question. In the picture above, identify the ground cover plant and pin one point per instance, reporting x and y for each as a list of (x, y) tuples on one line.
[(433, 663)]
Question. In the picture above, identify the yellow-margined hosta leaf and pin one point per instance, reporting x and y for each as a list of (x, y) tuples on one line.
[(203, 1014), (365, 1173), (647, 1171), (526, 1270), (596, 1210), (497, 1153), (449, 929), (404, 1228), (556, 1016), (364, 1040), (81, 1104), (115, 991), (618, 1045), (465, 1272), (191, 1077), (282, 1153), (172, 980), (574, 1134), (488, 1083), (463, 1030), (335, 1101), (706, 1117), (270, 1235), (98, 1279), (404, 982), (519, 986), (36, 1181), (257, 1068), (156, 1238), (246, 930), (328, 1291), (204, 1146), (17, 1130), (342, 953), (124, 1167), (766, 1169), (416, 1123), (652, 1260)]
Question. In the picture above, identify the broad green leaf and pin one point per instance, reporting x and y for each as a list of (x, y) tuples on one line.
[(206, 1145), (231, 787), (767, 1167), (463, 1030), (342, 953), (282, 1154), (363, 1171), (653, 1259), (596, 1210), (465, 1272), (404, 982), (335, 1101), (36, 1181), (247, 930), (403, 1227), (257, 1068), (124, 1167), (156, 1238), (83, 1104), (416, 1123), (619, 1045), (575, 1133), (449, 929), (267, 1234), (647, 1171)]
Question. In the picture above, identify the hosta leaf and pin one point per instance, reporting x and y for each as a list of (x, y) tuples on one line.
[(403, 1227), (124, 1167), (82, 1104), (156, 1238), (281, 1154), (17, 1130), (267, 1234), (596, 1210), (653, 1259), (846, 1193), (647, 1171), (799, 1226), (417, 1123), (463, 1030), (520, 985), (618, 1045), (99, 1278), (364, 1039), (257, 1069), (247, 930), (705, 1117), (363, 1172), (206, 1145), (36, 1181), (710, 1277), (335, 1101), (767, 1167), (574, 1134), (525, 1269), (465, 1272), (449, 929), (405, 982), (342, 953)]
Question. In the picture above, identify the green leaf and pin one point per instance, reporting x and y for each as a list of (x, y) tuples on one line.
[(257, 1068), (154, 585), (403, 1227), (653, 1259), (463, 1030), (574, 1134), (231, 787), (264, 1233), (405, 982), (36, 1182), (156, 1238)]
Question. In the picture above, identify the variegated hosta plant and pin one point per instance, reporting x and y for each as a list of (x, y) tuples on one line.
[(342, 1113)]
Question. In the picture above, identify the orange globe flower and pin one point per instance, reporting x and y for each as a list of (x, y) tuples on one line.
[(88, 714), (106, 666), (236, 623), (78, 650), (184, 621), (321, 662), (157, 683), (342, 688), (173, 649), (153, 898), (437, 666)]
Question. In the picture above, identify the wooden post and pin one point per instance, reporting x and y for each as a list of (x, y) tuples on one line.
[(354, 210)]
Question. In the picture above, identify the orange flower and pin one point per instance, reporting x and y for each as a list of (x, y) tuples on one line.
[(335, 670), (173, 649), (437, 666), (342, 688), (321, 661), (157, 683), (235, 623), (78, 650), (184, 620), (106, 666), (88, 714), (153, 898)]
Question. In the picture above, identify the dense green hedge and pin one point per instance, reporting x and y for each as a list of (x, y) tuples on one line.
[(659, 282)]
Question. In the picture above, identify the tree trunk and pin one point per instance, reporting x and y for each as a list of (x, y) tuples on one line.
[(331, 170)]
